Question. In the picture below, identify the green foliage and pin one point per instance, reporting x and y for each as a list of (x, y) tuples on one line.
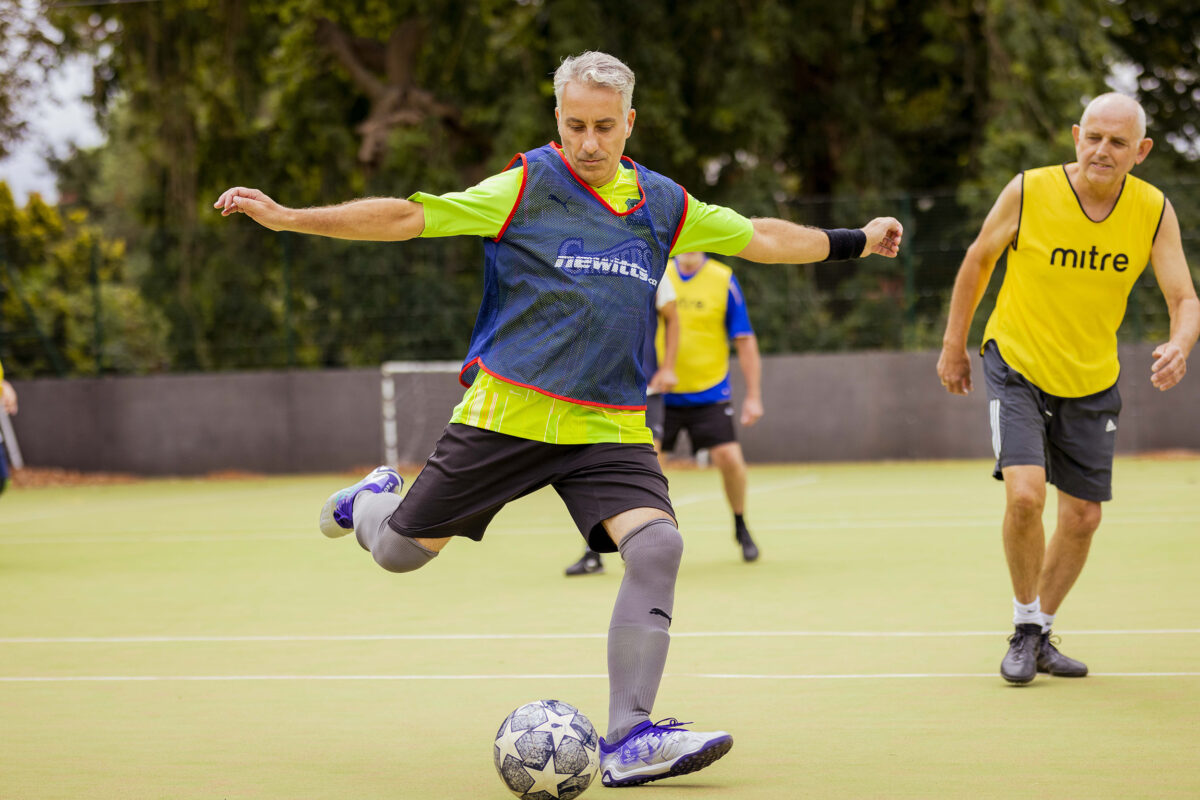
[(823, 113), (56, 274), (1161, 38), (26, 57)]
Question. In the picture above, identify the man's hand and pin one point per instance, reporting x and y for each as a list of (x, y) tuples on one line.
[(752, 411), (883, 237), (254, 204), (9, 395), (954, 370), (663, 381), (1170, 365)]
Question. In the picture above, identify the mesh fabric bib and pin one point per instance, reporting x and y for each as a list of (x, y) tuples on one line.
[(1068, 280), (569, 285)]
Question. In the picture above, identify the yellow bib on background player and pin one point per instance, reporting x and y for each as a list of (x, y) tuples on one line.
[(701, 301), (1068, 280)]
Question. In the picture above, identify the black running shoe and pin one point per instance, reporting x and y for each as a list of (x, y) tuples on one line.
[(590, 564), (1021, 662), (749, 548), (1052, 662)]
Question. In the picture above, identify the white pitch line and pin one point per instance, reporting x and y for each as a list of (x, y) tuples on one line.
[(548, 676), (887, 675), (150, 678), (407, 637), (140, 539), (804, 480), (251, 491), (558, 530), (256, 492)]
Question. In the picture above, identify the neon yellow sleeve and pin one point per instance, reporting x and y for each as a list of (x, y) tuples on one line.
[(481, 210), (713, 229)]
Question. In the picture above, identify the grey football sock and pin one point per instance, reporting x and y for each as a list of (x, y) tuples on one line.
[(638, 635), (393, 552)]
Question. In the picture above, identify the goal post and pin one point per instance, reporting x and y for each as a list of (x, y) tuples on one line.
[(410, 374)]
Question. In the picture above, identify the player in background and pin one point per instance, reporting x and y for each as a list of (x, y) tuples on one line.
[(1076, 236), (8, 398), (712, 313), (576, 240), (662, 380)]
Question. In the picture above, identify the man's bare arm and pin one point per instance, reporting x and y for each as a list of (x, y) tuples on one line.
[(664, 379), (1175, 280), (751, 364), (375, 219), (954, 365), (777, 241)]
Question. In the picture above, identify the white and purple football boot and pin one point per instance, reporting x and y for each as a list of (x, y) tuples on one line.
[(651, 752), (337, 515)]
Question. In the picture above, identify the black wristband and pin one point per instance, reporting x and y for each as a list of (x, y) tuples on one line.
[(845, 243)]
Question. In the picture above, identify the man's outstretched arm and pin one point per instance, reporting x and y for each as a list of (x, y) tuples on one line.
[(777, 241), (374, 219)]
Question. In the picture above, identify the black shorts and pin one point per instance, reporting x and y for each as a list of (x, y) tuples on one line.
[(1073, 438), (473, 473), (655, 415), (707, 426)]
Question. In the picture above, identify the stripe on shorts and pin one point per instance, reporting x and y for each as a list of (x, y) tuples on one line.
[(994, 409)]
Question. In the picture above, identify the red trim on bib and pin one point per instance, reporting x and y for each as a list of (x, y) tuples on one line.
[(482, 366), (558, 149), (520, 192), (682, 219)]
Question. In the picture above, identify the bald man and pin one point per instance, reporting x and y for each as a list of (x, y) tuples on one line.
[(1076, 237)]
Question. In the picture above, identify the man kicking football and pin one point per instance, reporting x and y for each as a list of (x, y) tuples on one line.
[(576, 239)]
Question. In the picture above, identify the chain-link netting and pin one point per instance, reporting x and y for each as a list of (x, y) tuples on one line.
[(272, 300)]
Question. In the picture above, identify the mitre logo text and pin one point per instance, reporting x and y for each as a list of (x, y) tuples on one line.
[(1089, 259)]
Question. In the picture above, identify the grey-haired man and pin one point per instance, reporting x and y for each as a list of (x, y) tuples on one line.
[(576, 240)]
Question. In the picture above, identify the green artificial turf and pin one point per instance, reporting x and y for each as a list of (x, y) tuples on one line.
[(215, 645)]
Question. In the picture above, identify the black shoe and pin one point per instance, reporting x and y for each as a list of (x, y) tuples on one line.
[(1021, 662), (1052, 662), (749, 548), (590, 564)]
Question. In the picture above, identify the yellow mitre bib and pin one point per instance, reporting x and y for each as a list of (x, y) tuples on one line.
[(1068, 280), (701, 301)]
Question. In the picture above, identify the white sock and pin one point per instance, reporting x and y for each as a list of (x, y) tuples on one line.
[(1027, 613), (1047, 622)]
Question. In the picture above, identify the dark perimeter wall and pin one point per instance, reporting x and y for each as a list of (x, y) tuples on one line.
[(836, 407)]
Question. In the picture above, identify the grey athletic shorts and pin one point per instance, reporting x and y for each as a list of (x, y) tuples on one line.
[(1073, 438), (473, 473)]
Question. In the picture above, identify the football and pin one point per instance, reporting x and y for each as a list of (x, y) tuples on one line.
[(546, 750)]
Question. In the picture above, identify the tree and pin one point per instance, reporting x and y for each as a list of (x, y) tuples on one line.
[(26, 54), (64, 300), (825, 114), (1161, 40)]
